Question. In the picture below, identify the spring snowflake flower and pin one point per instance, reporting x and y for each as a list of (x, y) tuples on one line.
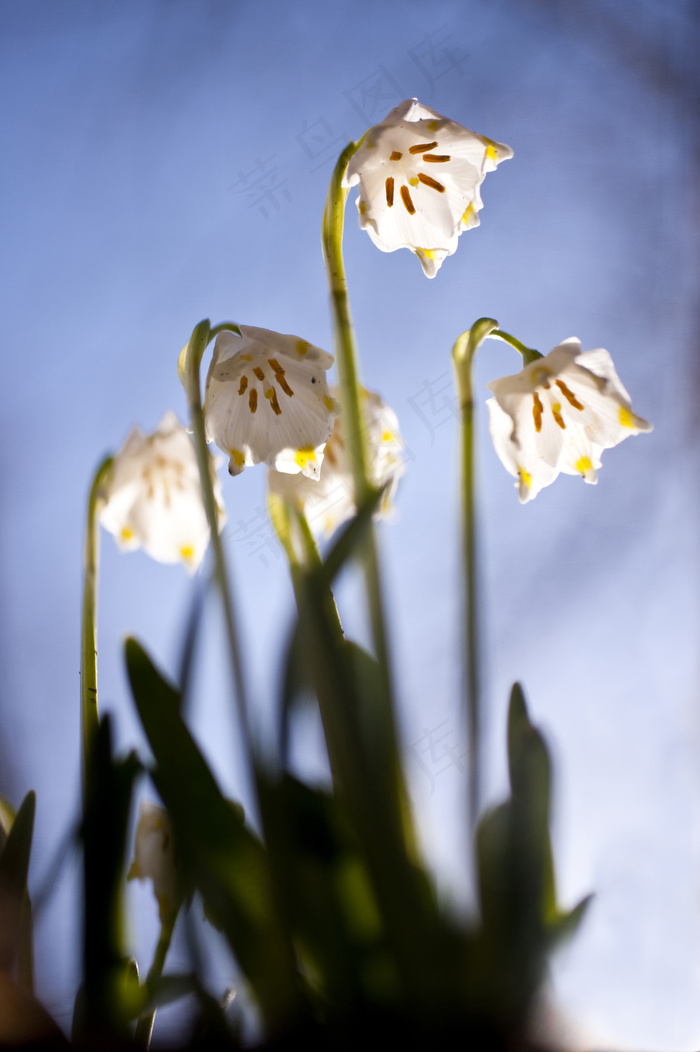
[(419, 176), (559, 414), (330, 501), (154, 499), (267, 400), (154, 858)]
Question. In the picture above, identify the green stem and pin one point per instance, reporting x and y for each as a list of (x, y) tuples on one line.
[(144, 1026), (463, 355), (354, 429), (189, 374), (89, 716), (527, 352)]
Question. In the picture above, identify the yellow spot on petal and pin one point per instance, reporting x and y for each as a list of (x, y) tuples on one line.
[(429, 253), (469, 212), (126, 534), (246, 358), (626, 417), (329, 403), (433, 126), (491, 152), (387, 437), (414, 181), (304, 456), (237, 457), (302, 347), (187, 553), (525, 477), (362, 208), (584, 465)]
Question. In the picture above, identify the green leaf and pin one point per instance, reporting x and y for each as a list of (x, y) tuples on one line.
[(221, 857), (110, 785), (15, 931), (350, 537)]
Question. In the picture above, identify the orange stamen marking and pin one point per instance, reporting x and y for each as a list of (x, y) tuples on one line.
[(390, 191), (396, 156), (253, 399), (556, 413), (271, 395), (427, 181), (279, 377), (421, 147), (537, 411), (244, 384), (406, 198), (276, 365), (437, 158), (568, 395), (259, 373)]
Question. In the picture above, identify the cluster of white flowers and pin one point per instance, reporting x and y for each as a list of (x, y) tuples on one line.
[(267, 398)]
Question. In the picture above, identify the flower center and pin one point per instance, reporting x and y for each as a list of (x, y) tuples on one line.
[(409, 175), (278, 377)]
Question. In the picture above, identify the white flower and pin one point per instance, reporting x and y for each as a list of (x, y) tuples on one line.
[(154, 858), (419, 176), (330, 501), (154, 499), (559, 414), (267, 400)]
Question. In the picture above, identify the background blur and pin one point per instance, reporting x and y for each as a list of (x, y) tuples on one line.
[(166, 161)]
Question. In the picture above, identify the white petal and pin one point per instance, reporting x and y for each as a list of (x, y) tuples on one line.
[(268, 401), (330, 500)]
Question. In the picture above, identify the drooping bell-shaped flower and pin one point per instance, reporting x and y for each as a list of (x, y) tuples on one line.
[(154, 499), (558, 414), (267, 401), (328, 502), (154, 858), (419, 176)]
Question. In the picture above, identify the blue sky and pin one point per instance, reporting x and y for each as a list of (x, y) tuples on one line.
[(166, 162)]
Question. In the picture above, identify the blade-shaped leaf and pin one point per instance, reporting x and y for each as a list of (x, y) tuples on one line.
[(15, 910), (218, 853)]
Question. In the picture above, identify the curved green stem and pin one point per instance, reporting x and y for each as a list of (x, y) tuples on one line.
[(529, 355), (188, 368), (350, 390), (144, 1026), (89, 715), (462, 356)]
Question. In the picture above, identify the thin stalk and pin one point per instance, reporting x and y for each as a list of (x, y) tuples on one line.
[(189, 371), (144, 1026), (463, 355), (89, 715), (351, 395)]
